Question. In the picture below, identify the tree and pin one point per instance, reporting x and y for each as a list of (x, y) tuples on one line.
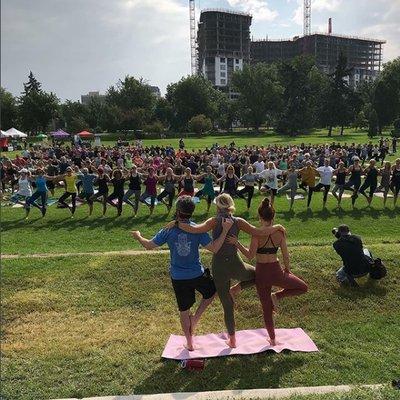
[(199, 124), (163, 112), (259, 93), (302, 82), (373, 124), (360, 121), (74, 116), (192, 95), (9, 109), (135, 101), (36, 107), (33, 85), (386, 100), (340, 101)]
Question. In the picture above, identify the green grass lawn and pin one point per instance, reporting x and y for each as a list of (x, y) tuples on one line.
[(317, 136), (87, 326), (57, 232)]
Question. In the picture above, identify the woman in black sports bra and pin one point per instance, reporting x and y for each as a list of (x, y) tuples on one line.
[(268, 270)]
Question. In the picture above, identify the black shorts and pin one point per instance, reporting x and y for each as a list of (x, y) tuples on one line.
[(185, 290), (50, 185)]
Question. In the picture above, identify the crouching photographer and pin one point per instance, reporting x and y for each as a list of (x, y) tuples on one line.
[(357, 261)]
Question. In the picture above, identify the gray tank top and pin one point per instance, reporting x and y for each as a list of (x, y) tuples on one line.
[(292, 179), (226, 249)]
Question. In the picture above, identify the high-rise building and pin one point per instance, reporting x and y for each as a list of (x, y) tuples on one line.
[(364, 56), (86, 98), (223, 45)]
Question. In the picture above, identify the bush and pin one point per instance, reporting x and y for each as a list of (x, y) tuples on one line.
[(199, 124)]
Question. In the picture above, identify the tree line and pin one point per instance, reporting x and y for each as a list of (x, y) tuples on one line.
[(291, 96)]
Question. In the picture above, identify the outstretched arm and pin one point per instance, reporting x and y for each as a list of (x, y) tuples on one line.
[(252, 230), (146, 243), (204, 227)]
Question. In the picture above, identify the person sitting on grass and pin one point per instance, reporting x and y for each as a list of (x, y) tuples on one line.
[(188, 274), (357, 261)]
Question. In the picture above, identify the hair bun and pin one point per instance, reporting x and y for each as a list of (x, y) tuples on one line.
[(265, 202)]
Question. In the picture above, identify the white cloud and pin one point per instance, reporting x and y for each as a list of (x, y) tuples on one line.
[(258, 8), (328, 5)]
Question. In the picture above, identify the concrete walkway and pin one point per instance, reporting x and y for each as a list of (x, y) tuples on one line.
[(237, 394)]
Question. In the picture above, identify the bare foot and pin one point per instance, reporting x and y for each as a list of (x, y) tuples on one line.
[(274, 300), (234, 291), (231, 342), (189, 347)]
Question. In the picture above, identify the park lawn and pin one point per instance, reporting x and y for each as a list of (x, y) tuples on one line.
[(58, 233), (243, 138), (90, 326)]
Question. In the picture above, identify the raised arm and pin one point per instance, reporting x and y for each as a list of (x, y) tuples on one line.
[(252, 230)]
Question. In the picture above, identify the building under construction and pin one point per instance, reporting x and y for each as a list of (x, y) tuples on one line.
[(223, 45), (364, 56)]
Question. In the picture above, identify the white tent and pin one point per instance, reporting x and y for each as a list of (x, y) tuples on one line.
[(3, 134), (15, 133)]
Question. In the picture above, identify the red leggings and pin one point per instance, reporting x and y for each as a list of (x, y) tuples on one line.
[(271, 274)]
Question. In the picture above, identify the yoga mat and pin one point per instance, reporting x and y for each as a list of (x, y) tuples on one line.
[(296, 197), (148, 201), (380, 194), (250, 341), (344, 195)]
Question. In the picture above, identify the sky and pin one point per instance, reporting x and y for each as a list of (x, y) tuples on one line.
[(77, 46)]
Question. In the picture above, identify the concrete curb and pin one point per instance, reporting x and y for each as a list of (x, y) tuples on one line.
[(237, 394)]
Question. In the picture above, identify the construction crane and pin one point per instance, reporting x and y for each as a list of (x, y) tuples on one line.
[(192, 14), (307, 18)]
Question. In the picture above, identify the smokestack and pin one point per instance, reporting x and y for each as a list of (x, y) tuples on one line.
[(330, 26)]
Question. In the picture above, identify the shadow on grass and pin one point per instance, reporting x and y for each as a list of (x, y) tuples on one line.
[(371, 288), (261, 370)]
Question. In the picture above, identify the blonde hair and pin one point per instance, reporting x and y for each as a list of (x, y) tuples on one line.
[(225, 202)]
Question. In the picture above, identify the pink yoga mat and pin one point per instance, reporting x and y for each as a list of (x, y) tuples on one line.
[(250, 341)]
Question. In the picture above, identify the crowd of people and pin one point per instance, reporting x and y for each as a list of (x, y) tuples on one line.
[(135, 174)]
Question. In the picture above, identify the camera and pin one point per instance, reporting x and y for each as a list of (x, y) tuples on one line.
[(336, 233)]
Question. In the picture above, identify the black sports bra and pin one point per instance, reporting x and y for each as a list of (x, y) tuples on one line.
[(268, 250)]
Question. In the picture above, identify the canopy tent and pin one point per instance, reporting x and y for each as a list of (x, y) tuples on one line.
[(15, 133), (3, 134), (60, 134), (85, 134)]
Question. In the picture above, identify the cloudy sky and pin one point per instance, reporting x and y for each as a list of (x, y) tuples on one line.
[(76, 46)]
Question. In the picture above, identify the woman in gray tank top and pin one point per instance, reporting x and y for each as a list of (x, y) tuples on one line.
[(291, 184), (227, 264)]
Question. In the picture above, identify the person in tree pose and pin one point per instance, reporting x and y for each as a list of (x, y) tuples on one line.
[(188, 274), (268, 271)]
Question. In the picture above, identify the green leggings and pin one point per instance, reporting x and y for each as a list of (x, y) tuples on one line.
[(225, 268)]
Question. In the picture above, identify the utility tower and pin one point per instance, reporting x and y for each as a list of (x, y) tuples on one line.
[(192, 14), (307, 18)]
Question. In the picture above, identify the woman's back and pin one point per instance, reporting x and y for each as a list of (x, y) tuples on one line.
[(268, 246)]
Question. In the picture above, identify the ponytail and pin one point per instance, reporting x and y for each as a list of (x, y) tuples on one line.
[(266, 211)]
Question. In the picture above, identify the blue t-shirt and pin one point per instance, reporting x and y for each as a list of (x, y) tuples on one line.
[(41, 184), (87, 182), (184, 251)]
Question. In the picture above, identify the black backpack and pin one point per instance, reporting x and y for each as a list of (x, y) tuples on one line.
[(378, 270)]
